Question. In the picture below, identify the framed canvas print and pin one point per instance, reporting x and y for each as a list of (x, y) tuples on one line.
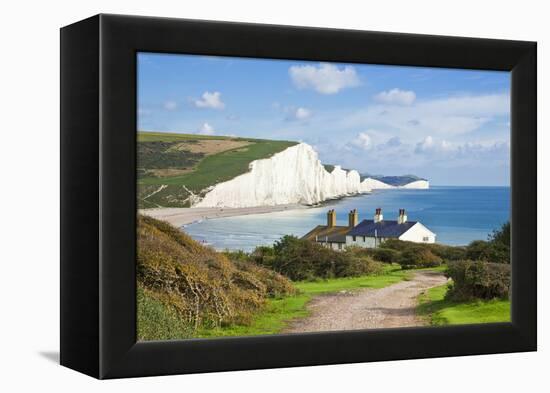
[(240, 196)]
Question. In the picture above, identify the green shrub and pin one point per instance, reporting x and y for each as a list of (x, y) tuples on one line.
[(358, 263), (478, 279), (448, 253), (417, 257), (501, 236), (480, 250), (157, 320), (301, 260), (185, 286), (496, 249), (386, 255), (397, 245)]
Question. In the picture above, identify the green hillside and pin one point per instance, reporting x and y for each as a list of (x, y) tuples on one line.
[(173, 167)]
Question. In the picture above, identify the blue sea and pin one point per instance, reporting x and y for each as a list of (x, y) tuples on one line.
[(457, 215)]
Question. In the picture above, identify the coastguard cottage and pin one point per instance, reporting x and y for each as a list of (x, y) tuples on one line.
[(369, 233)]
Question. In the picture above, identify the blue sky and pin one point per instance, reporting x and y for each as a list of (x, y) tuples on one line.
[(448, 125)]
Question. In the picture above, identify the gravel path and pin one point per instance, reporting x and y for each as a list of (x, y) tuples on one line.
[(392, 306)]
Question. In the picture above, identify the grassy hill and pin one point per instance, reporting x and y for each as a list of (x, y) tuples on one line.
[(185, 287), (173, 167)]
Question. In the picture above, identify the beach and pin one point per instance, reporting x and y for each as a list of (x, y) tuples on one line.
[(184, 216)]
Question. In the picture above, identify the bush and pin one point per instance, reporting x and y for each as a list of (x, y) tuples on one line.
[(448, 253), (386, 255), (417, 257), (358, 263), (300, 260), (478, 280), (480, 250), (185, 286), (397, 245), (496, 249), (501, 236)]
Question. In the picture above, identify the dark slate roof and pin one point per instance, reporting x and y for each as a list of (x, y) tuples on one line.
[(385, 228), (336, 234)]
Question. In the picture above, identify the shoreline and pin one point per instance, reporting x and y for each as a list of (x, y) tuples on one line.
[(179, 216)]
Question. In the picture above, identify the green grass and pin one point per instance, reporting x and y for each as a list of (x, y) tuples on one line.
[(279, 312), (392, 274), (271, 321), (438, 311)]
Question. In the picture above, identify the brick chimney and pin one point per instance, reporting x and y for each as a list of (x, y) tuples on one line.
[(353, 218), (378, 217), (402, 218), (331, 218)]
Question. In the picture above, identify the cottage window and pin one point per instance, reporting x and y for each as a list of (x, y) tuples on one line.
[(339, 246), (425, 239), (364, 238), (354, 238)]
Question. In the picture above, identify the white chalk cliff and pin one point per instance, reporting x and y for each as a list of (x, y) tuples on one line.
[(418, 185), (292, 176), (375, 184)]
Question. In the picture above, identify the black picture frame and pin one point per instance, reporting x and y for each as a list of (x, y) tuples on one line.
[(98, 195)]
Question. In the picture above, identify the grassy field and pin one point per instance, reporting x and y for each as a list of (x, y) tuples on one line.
[(279, 312), (190, 166), (438, 311)]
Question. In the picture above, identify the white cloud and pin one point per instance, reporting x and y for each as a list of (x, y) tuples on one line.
[(443, 118), (206, 129), (299, 114), (440, 160), (363, 141), (396, 96), (302, 113), (425, 145), (170, 105), (325, 78), (210, 100), (444, 150)]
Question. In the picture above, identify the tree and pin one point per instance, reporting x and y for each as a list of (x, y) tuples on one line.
[(501, 236), (496, 249)]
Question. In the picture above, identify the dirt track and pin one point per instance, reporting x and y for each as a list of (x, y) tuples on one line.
[(392, 306)]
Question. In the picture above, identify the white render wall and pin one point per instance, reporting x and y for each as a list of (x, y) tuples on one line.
[(360, 241), (334, 246), (417, 233)]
